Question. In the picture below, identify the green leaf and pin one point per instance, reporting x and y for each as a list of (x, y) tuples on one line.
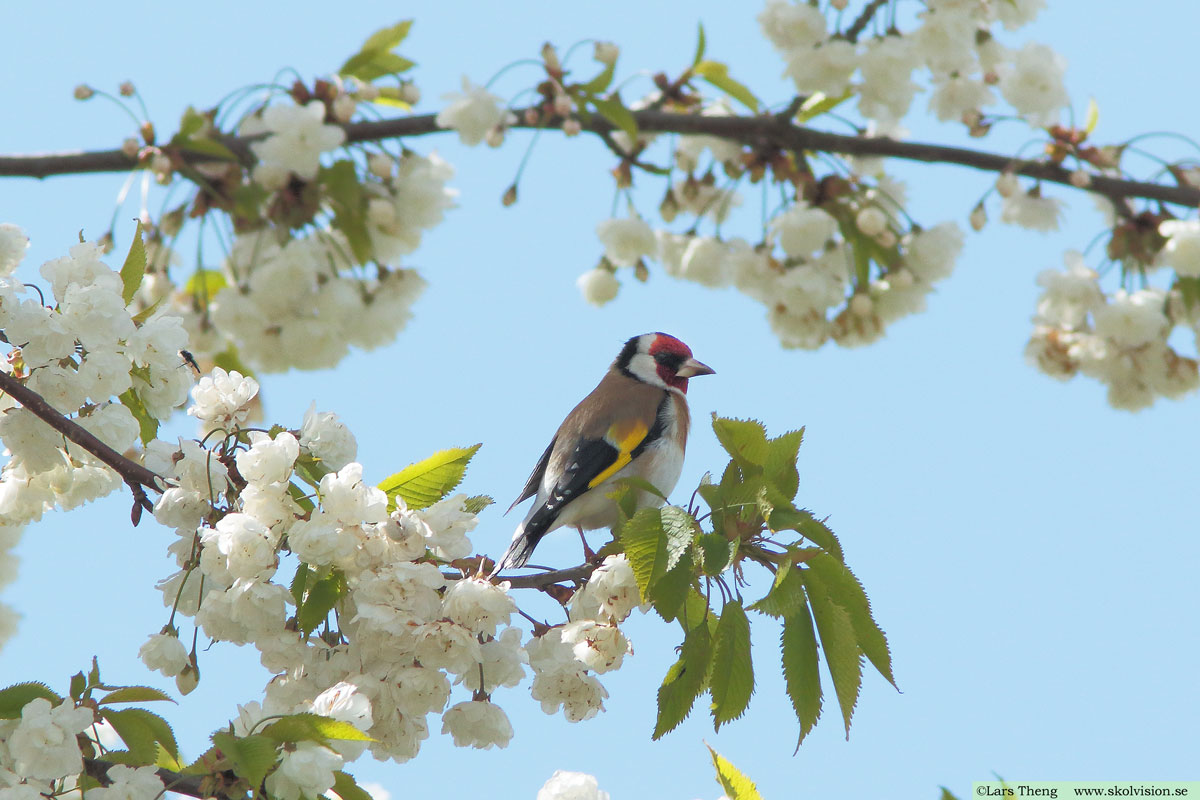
[(1190, 289), (312, 728), (645, 546), (1093, 116), (208, 147), (680, 530), (635, 482), (15, 697), (300, 582), (345, 194), (779, 467), (820, 103), (477, 503), (786, 595), (801, 675), (717, 552), (347, 789), (684, 682), (842, 654), (392, 96), (717, 74), (701, 44), (671, 590), (736, 785), (424, 483), (205, 283), (78, 684), (135, 694), (946, 794), (147, 424), (731, 679), (827, 575), (808, 526), (745, 440), (601, 82), (322, 596), (134, 267), (252, 757), (613, 110), (375, 59), (142, 732)]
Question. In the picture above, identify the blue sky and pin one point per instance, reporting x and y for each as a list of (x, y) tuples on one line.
[(1030, 552)]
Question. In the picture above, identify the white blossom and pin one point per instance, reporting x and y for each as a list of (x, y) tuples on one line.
[(327, 438), (43, 744), (1033, 84), (268, 460), (626, 240), (1132, 320), (565, 785), (164, 653), (128, 783), (13, 244), (307, 771), (473, 112), (598, 646), (222, 399), (298, 137), (478, 724), (478, 605), (1182, 249), (598, 286), (802, 229)]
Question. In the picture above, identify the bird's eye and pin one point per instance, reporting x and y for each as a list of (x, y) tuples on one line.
[(670, 360)]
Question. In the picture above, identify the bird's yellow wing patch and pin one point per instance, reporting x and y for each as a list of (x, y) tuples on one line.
[(624, 436)]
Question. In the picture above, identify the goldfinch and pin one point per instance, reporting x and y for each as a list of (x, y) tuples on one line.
[(634, 423)]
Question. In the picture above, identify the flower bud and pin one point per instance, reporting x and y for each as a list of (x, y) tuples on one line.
[(130, 147), (606, 53), (83, 92), (127, 89), (410, 93), (510, 195), (562, 104), (571, 127), (978, 217)]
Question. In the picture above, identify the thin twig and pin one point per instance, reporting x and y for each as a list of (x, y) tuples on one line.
[(864, 19)]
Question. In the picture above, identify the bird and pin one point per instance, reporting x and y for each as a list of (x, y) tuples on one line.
[(634, 423)]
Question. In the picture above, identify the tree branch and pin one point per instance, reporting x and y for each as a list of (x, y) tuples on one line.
[(759, 130), (198, 786), (864, 19), (135, 475)]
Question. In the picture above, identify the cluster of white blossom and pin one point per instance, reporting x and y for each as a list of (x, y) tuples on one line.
[(80, 355), (40, 755), (566, 785), (476, 114), (401, 634), (953, 40), (805, 273), (1120, 339)]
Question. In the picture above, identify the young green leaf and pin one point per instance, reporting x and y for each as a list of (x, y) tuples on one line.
[(644, 543), (634, 482), (731, 679), (780, 464), (826, 575), (477, 503), (141, 732), (347, 788), (801, 675), (424, 483), (322, 596), (375, 59), (804, 523), (252, 756), (671, 590), (15, 697), (134, 267), (680, 530), (601, 82), (745, 440), (736, 785), (135, 694), (786, 595), (345, 194), (718, 75), (716, 552), (842, 654), (684, 682), (819, 103), (147, 424), (205, 283), (613, 110), (701, 44), (312, 728)]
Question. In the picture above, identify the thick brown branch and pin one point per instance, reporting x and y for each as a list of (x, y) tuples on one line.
[(761, 130), (192, 785), (135, 475)]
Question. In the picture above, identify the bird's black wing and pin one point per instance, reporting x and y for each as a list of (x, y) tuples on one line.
[(535, 477)]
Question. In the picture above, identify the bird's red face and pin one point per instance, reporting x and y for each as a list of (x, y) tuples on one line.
[(673, 361)]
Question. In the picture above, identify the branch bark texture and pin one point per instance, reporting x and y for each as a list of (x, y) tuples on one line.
[(757, 130)]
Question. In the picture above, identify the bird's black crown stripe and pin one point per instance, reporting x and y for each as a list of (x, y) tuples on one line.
[(626, 355)]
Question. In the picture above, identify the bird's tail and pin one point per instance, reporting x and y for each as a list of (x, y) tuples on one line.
[(519, 550)]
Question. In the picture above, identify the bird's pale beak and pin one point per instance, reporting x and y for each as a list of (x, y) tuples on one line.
[(691, 368)]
